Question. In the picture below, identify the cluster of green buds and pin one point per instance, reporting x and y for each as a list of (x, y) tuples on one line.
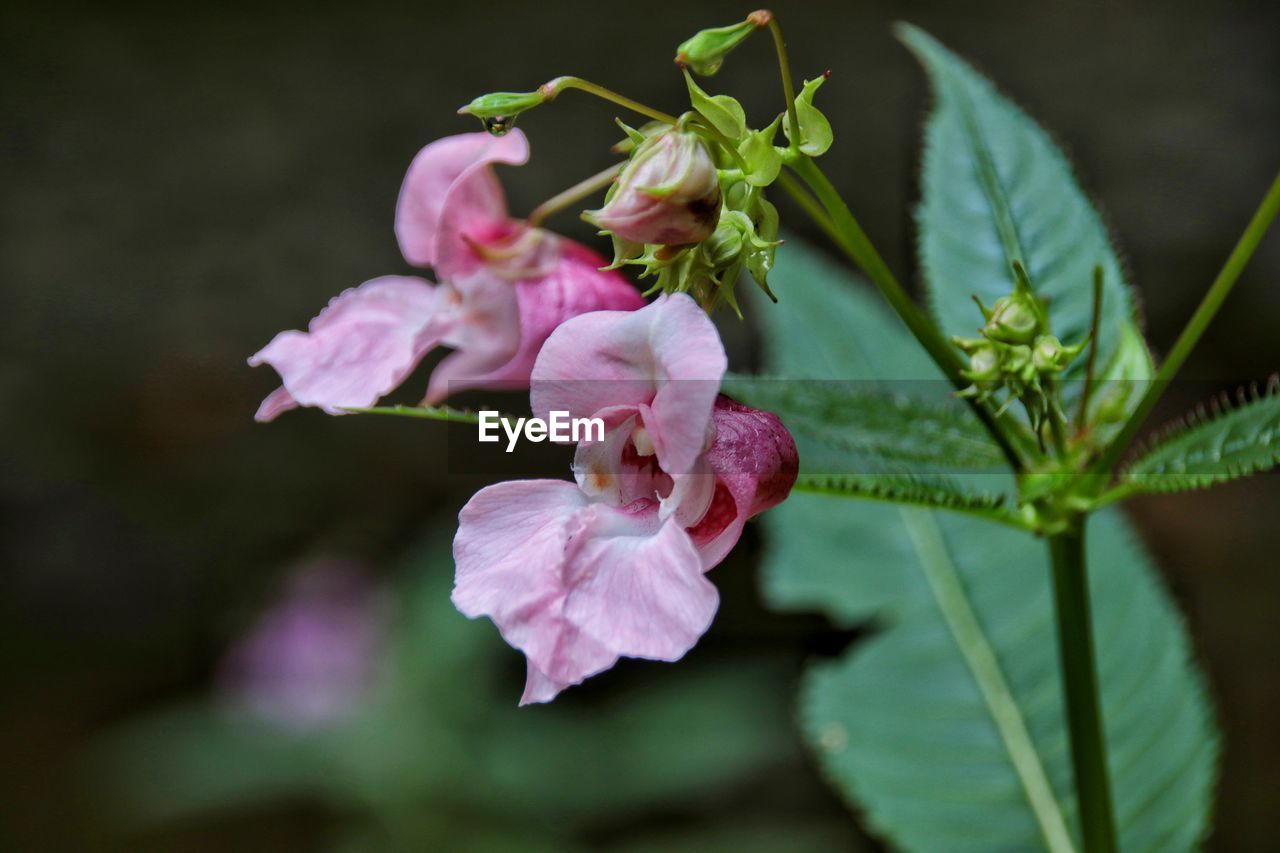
[(697, 231), (688, 208), (1017, 356)]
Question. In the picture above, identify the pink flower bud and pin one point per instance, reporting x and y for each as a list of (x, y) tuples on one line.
[(668, 194)]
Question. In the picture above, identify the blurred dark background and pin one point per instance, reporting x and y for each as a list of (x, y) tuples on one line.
[(183, 181)]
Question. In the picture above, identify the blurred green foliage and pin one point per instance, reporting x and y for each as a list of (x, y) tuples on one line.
[(438, 755)]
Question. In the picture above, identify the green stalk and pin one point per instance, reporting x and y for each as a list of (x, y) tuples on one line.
[(844, 229), (574, 194), (1196, 326), (1080, 689), (788, 87), (554, 87)]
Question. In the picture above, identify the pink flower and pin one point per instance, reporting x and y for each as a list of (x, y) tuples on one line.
[(576, 575), (507, 286), (668, 194)]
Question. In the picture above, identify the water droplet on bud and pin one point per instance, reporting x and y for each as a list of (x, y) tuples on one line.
[(499, 125)]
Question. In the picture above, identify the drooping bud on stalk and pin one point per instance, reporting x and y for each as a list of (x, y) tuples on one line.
[(498, 110), (669, 194), (705, 52)]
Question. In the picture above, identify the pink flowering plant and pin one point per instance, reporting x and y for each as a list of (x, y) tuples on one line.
[(1022, 688)]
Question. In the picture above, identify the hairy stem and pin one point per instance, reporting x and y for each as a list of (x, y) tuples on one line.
[(554, 87), (844, 229), (1080, 689), (1196, 326)]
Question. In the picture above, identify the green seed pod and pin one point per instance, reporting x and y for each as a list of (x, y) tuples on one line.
[(705, 52), (1012, 320)]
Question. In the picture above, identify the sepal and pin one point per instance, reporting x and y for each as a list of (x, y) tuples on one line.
[(723, 112), (815, 131)]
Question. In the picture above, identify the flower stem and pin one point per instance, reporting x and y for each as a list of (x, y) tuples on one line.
[(574, 194), (1080, 689), (844, 229), (554, 87), (788, 87), (1196, 326)]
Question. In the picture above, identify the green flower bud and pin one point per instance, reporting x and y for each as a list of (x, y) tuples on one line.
[(498, 110), (984, 366), (1018, 363), (1048, 354), (724, 246), (1012, 321), (706, 51)]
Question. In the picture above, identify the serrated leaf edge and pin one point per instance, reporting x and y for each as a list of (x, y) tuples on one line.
[(1205, 413)]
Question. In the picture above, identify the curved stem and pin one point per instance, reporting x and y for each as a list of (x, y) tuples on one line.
[(844, 229), (1080, 689), (552, 88), (1196, 326), (858, 246), (574, 194), (809, 204), (788, 87)]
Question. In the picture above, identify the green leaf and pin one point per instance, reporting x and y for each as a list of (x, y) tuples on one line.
[(946, 727), (723, 111), (1211, 448), (997, 190), (936, 492), (856, 440), (829, 324), (860, 423)]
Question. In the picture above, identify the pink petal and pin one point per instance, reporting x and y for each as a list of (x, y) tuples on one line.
[(639, 593), (666, 356), (755, 461), (576, 285), (275, 404), (426, 191), (538, 687), (359, 348), (485, 335), (575, 584)]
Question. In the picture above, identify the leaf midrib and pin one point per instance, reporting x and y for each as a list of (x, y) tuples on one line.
[(979, 656), (989, 180)]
